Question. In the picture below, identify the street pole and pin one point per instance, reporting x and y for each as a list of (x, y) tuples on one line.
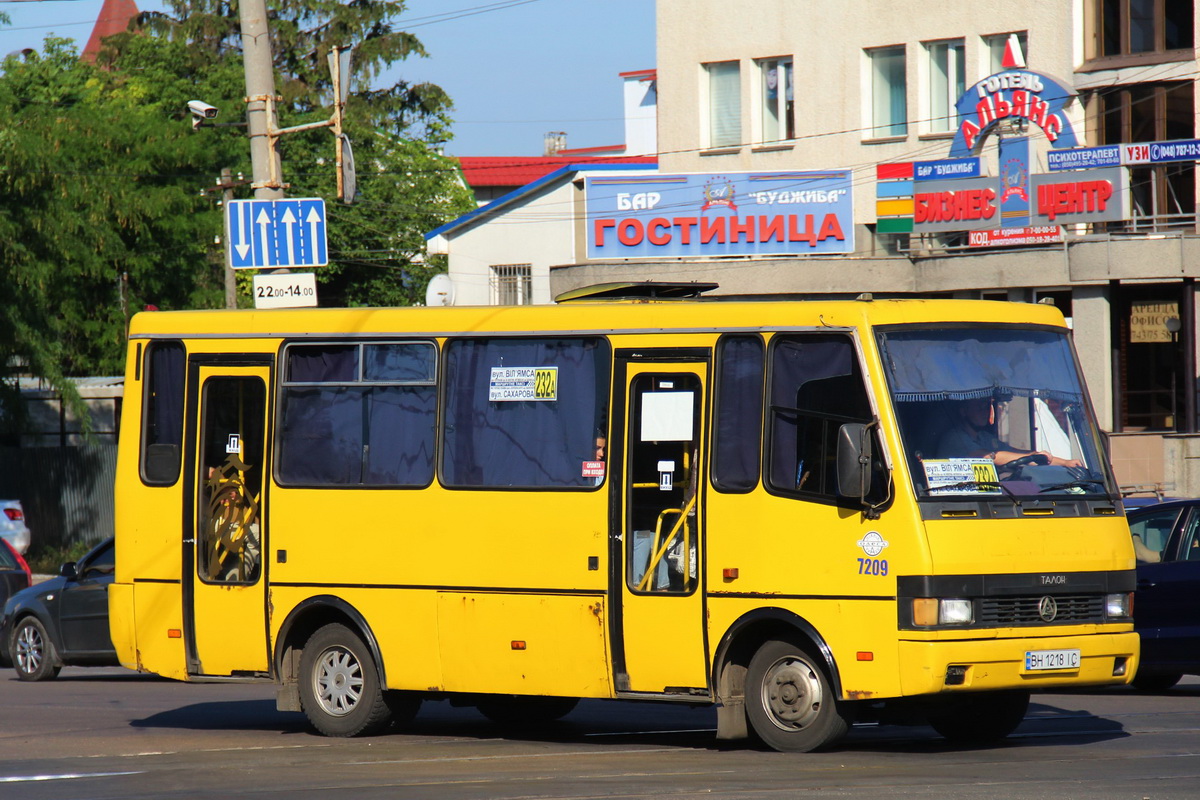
[(227, 185), (260, 100)]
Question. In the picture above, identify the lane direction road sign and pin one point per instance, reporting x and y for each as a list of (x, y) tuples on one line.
[(266, 234)]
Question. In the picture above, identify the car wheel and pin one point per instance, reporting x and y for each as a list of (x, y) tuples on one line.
[(980, 718), (32, 652), (339, 684), (521, 711), (1152, 682), (790, 701)]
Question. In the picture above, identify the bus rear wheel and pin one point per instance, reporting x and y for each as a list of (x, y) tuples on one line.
[(340, 690), (790, 701)]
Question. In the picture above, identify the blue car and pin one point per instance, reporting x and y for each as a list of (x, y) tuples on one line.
[(1166, 607), (62, 621)]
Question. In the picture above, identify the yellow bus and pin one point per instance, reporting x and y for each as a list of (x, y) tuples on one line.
[(790, 511)]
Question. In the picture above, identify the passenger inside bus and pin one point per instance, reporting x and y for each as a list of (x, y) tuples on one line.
[(974, 436)]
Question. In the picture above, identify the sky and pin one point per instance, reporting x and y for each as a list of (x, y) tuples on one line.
[(515, 69)]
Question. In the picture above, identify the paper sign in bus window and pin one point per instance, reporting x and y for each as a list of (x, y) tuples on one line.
[(511, 384), (961, 475), (667, 416)]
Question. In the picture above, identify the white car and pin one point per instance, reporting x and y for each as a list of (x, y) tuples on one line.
[(12, 525)]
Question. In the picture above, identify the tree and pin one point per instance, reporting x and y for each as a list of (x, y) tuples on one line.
[(100, 173)]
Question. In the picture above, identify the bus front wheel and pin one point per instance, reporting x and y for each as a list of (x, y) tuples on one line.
[(340, 690), (790, 701)]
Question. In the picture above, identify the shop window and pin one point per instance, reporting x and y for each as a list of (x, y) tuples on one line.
[(724, 104), (1150, 359), (889, 92), (778, 115)]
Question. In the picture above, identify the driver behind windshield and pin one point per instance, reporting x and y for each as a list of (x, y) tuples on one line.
[(974, 436)]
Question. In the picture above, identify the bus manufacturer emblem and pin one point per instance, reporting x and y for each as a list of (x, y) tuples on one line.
[(1047, 609), (872, 543)]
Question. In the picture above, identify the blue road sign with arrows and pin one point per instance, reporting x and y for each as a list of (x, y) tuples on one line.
[(264, 234)]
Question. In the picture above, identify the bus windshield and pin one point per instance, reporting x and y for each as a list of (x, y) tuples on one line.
[(993, 412)]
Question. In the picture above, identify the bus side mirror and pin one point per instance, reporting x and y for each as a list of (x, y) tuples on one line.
[(854, 453)]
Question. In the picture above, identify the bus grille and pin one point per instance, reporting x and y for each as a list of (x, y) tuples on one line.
[(1072, 610)]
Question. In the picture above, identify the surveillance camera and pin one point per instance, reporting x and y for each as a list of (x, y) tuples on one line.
[(201, 109)]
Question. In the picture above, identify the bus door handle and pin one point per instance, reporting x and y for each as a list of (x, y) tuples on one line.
[(1146, 584)]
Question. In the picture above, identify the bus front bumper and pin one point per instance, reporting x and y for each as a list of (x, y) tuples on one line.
[(1031, 662)]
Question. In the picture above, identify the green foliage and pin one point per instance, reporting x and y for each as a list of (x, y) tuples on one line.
[(102, 207), (45, 559)]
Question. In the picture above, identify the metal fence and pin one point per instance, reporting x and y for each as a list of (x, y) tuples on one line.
[(67, 492)]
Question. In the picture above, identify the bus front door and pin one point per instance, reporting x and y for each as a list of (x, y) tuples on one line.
[(225, 597), (661, 647)]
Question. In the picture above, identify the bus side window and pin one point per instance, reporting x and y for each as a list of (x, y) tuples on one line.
[(737, 434), (162, 413), (816, 386)]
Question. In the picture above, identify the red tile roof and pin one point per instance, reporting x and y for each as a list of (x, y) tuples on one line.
[(520, 170)]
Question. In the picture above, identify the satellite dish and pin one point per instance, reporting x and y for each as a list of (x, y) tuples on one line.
[(440, 291)]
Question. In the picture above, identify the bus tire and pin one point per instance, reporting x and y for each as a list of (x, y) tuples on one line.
[(523, 711), (1156, 682), (790, 702), (340, 690), (973, 719), (32, 652)]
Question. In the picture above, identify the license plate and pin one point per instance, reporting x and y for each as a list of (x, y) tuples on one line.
[(1051, 659)]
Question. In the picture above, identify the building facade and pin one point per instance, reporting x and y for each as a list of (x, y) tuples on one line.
[(1023, 94)]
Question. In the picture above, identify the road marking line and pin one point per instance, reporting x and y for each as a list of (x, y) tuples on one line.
[(65, 776)]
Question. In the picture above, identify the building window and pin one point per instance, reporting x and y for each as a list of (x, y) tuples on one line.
[(889, 102), (512, 284), (724, 104), (995, 50), (1131, 27), (947, 83), (1164, 195), (778, 117)]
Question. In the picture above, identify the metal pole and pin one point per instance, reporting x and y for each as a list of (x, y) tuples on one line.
[(260, 100), (230, 280)]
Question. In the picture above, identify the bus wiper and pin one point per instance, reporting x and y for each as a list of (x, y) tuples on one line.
[(984, 485), (1058, 487), (998, 485)]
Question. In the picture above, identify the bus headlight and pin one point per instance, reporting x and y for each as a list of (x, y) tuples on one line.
[(932, 611), (1118, 605)]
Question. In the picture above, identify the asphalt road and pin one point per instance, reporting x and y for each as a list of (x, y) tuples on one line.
[(108, 733)]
